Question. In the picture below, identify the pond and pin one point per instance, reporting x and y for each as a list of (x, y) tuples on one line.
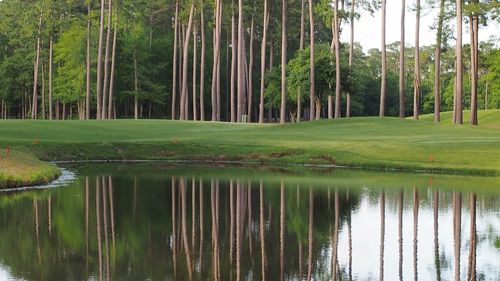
[(196, 222)]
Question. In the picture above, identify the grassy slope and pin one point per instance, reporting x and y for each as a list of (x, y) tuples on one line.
[(487, 118), (366, 142), (21, 168)]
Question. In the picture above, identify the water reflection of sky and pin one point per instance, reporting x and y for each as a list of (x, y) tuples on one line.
[(366, 242)]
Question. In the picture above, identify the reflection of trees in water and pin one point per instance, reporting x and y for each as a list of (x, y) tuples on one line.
[(457, 224), (253, 231)]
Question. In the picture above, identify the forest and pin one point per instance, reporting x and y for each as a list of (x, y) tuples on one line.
[(240, 61)]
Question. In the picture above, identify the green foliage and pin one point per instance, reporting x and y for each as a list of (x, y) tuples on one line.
[(69, 55)]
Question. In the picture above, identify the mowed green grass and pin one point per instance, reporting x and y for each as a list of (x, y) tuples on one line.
[(388, 143), (487, 118)]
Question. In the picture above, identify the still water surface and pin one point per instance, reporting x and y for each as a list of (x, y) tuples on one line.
[(171, 222)]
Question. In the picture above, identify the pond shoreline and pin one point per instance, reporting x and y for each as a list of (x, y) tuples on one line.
[(382, 168), (40, 178), (17, 181)]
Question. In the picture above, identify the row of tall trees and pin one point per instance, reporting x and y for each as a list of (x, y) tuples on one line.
[(187, 59)]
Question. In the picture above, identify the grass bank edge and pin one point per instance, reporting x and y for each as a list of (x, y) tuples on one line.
[(20, 169), (263, 155)]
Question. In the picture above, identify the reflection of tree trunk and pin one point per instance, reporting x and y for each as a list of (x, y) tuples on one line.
[(87, 222), (457, 229), (298, 206), (415, 232), (471, 273), (239, 230), (261, 227), (49, 211), (183, 184), (193, 214), (282, 231), (105, 223), (382, 234), (217, 195), (349, 234), (231, 227), (310, 238), (98, 222), (37, 230), (336, 236), (112, 212), (249, 232), (201, 226), (215, 233), (437, 259), (135, 198), (174, 228), (400, 231)]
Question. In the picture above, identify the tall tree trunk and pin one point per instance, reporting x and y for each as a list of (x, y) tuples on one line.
[(185, 56), (302, 24), (51, 53), (473, 22), (195, 60), (43, 91), (437, 66), (241, 67), (112, 76), (34, 106), (263, 61), (136, 88), (174, 61), (87, 74), (337, 61), (383, 86), (457, 101), (202, 64), (312, 87), (301, 47), (99, 63), (216, 64), (283, 61), (234, 53), (104, 114), (250, 71), (417, 79), (351, 55), (402, 63), (271, 63)]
